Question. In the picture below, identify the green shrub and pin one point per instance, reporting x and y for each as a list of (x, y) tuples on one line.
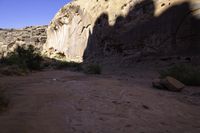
[(70, 65), (92, 69), (188, 74), (24, 58)]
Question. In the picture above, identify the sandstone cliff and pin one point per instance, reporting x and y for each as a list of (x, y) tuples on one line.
[(11, 38), (127, 29)]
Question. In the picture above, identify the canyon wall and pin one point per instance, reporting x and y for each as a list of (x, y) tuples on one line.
[(11, 38), (85, 30)]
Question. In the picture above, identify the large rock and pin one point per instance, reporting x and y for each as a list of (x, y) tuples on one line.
[(172, 84), (126, 29), (168, 83)]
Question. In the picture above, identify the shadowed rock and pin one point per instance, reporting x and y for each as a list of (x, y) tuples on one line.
[(125, 30)]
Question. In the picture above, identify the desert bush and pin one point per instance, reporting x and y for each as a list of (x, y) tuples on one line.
[(24, 58), (188, 74), (68, 65), (92, 69)]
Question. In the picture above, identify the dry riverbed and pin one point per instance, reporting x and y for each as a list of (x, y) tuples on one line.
[(71, 102)]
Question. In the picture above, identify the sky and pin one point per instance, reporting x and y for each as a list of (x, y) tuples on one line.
[(22, 13)]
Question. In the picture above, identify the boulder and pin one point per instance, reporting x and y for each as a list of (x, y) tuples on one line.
[(172, 84), (168, 83)]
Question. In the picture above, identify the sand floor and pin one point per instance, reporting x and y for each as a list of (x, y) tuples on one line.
[(70, 102)]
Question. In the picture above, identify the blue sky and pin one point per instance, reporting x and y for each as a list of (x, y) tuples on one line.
[(21, 13)]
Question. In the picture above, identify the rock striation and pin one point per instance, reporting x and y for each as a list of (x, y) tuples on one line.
[(85, 30), (11, 38)]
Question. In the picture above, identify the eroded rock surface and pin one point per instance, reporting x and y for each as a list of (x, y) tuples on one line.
[(11, 38), (127, 29)]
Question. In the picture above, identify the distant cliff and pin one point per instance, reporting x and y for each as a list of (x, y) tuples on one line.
[(11, 38), (87, 30)]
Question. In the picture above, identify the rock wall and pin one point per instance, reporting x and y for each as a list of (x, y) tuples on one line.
[(11, 38), (127, 29)]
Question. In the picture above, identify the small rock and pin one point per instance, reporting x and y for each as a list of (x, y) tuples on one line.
[(145, 106), (116, 102), (157, 84), (54, 79), (102, 119), (79, 109), (128, 125)]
